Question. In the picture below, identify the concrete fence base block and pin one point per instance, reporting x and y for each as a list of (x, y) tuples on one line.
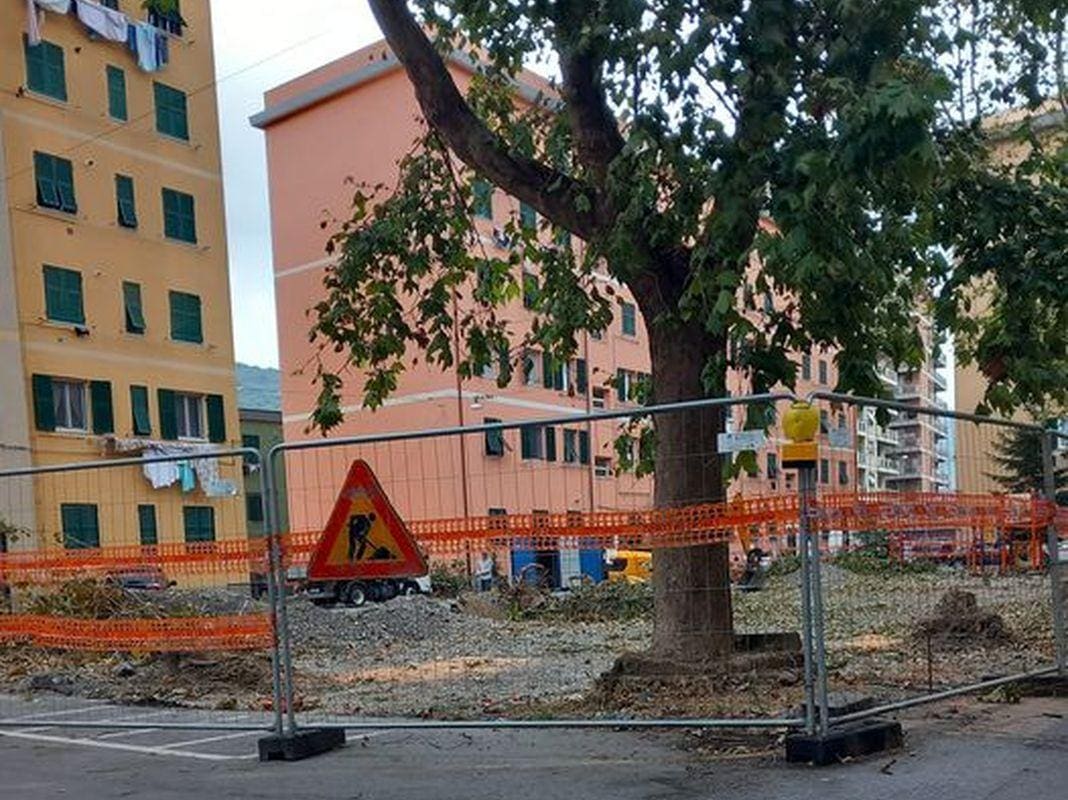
[(1046, 686), (848, 741), (300, 745)]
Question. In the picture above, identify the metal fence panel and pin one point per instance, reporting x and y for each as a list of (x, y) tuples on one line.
[(133, 581)]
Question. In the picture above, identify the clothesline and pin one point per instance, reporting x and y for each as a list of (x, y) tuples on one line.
[(148, 43)]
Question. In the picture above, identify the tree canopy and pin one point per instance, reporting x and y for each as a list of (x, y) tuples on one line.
[(853, 130)]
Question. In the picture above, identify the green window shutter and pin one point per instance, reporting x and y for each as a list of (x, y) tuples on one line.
[(185, 318), (199, 523), (100, 402), (116, 80), (179, 216), (45, 71), (142, 422), (482, 192), (584, 447), (168, 414), (630, 325), (528, 435), (171, 112), (621, 385), (528, 217), (63, 295), (570, 446), (54, 179), (216, 418), (550, 443), (547, 370), (44, 410), (125, 207), (131, 301), (581, 376), (250, 441), (494, 439), (81, 526), (254, 507), (146, 524)]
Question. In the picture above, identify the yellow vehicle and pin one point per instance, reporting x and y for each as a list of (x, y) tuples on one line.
[(630, 566)]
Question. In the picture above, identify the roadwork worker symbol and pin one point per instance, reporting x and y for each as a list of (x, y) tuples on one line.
[(364, 537)]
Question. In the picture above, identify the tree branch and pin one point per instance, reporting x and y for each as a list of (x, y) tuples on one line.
[(593, 126), (566, 202)]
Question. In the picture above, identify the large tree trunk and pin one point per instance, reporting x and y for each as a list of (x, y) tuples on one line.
[(691, 585)]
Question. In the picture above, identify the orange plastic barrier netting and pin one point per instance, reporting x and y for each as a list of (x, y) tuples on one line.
[(718, 522), (181, 559), (175, 634)]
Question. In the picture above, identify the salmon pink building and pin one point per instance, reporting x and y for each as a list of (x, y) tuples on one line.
[(351, 121)]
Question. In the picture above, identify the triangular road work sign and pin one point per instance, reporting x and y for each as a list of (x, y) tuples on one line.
[(365, 537)]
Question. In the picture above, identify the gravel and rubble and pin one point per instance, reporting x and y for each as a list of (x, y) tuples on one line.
[(484, 655)]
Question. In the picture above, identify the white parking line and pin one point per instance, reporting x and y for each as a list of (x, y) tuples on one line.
[(207, 739), (130, 748), (131, 732)]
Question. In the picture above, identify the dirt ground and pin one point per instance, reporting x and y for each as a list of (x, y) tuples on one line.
[(479, 656)]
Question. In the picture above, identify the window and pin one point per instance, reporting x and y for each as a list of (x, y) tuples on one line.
[(626, 385), (54, 179), (494, 438), (254, 507), (81, 526), (602, 467), (250, 441), (45, 73), (190, 411), (68, 405), (199, 523), (825, 421), (600, 397), (63, 295), (773, 466), (554, 373), (531, 442), (530, 289), (584, 447), (562, 238), (116, 81), (125, 208), (629, 322), (528, 217), (843, 473), (823, 373), (581, 376), (181, 416), (482, 198), (169, 21), (146, 524), (825, 471), (179, 216), (142, 424), (550, 443), (769, 304), (499, 518), (171, 112), (531, 376), (185, 318), (806, 367), (571, 455), (131, 301)]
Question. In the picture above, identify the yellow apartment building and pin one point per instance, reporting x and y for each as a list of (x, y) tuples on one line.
[(115, 328)]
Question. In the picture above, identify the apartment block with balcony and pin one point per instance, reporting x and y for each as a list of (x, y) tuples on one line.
[(115, 330)]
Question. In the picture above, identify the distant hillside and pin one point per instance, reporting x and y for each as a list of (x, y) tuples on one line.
[(258, 388)]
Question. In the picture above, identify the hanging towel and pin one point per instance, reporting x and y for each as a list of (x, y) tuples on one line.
[(33, 25), (188, 476), (145, 39), (105, 22), (160, 474), (55, 6)]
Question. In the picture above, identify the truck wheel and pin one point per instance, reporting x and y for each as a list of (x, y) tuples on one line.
[(410, 588), (389, 590), (355, 594)]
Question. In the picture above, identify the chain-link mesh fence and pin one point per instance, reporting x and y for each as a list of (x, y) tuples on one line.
[(132, 581)]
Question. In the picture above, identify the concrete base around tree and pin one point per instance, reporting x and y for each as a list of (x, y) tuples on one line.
[(300, 745), (847, 741)]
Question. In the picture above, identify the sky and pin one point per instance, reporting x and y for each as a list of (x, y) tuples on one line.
[(259, 44)]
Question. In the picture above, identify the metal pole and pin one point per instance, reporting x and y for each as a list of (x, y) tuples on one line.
[(816, 587), (1052, 545), (804, 487), (271, 519), (278, 570)]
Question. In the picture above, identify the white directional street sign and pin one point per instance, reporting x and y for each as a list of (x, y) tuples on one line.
[(738, 441)]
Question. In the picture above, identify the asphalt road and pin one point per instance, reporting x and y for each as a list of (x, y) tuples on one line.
[(968, 751)]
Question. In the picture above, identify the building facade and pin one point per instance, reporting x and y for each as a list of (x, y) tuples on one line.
[(260, 412), (115, 328)]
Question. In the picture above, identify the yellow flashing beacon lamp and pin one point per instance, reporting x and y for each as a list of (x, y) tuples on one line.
[(800, 423)]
